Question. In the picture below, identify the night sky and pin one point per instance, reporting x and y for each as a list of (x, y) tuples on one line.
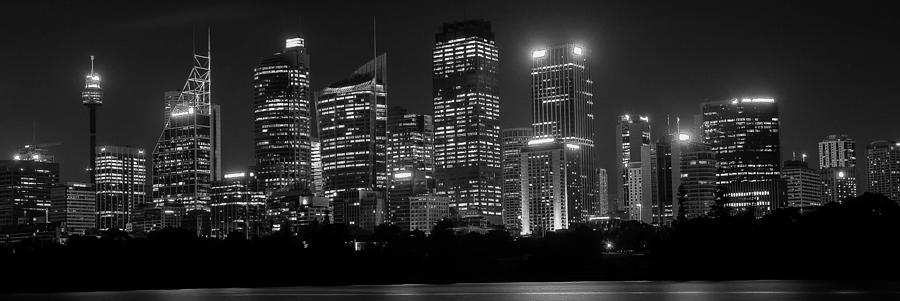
[(831, 69)]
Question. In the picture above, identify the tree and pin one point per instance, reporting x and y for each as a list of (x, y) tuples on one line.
[(718, 209), (682, 199)]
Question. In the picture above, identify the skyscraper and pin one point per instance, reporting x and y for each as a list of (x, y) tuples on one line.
[(803, 185), (281, 111), (550, 177), (634, 168), (513, 140), (696, 177), (237, 205), (186, 156), (25, 183), (410, 162), (353, 132), (603, 191), (837, 161), (562, 108), (73, 207), (92, 98), (883, 162), (121, 185), (467, 119), (744, 134)]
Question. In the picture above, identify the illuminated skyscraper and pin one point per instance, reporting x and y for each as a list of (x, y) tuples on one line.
[(803, 185), (352, 116), (410, 162), (696, 177), (186, 156), (121, 185), (513, 140), (837, 161), (467, 120), (281, 110), (92, 98), (883, 162), (551, 177), (25, 183), (634, 168), (237, 205), (563, 108), (73, 207), (744, 134)]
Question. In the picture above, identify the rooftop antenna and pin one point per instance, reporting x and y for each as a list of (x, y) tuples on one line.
[(92, 65)]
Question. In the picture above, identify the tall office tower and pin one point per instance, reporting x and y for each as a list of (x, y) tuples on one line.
[(550, 176), (695, 186), (467, 120), (316, 165), (634, 168), (662, 196), (237, 204), (121, 185), (73, 207), (837, 161), (803, 185), (281, 111), (883, 162), (186, 158), (603, 191), (562, 108), (25, 183), (92, 98), (744, 134), (512, 142), (353, 133), (410, 162)]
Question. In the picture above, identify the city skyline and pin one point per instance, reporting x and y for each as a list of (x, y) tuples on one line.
[(614, 95)]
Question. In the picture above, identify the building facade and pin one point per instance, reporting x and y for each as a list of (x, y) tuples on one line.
[(238, 205), (512, 142), (121, 185), (550, 176), (25, 183), (410, 162), (883, 165), (467, 120), (803, 185), (425, 211), (634, 168), (837, 162), (73, 208), (696, 185), (744, 134)]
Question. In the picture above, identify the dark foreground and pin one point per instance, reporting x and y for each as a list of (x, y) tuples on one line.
[(610, 291)]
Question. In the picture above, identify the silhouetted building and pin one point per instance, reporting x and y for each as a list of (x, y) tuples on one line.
[(563, 108), (281, 118), (513, 140), (121, 185), (744, 134), (467, 120), (25, 183), (551, 175), (634, 167), (352, 128), (803, 185), (837, 161), (427, 210), (883, 164), (238, 205), (410, 155), (73, 208)]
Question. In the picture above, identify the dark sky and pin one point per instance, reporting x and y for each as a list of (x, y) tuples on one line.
[(833, 69)]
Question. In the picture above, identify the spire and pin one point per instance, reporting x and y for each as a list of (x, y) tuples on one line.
[(92, 65)]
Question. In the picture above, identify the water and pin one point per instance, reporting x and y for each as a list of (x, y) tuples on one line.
[(607, 291)]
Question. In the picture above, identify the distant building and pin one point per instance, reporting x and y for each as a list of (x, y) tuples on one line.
[(238, 204), (427, 210), (292, 210), (744, 134), (562, 102), (316, 157), (150, 217), (837, 161), (603, 190), (282, 118), (883, 162), (466, 96), (634, 167), (25, 183), (512, 142), (410, 162), (121, 185), (73, 208), (550, 175), (803, 185), (353, 132), (695, 193)]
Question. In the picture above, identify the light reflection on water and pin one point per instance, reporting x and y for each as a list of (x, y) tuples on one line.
[(611, 291)]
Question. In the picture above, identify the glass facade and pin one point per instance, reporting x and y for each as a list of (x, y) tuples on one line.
[(121, 184), (410, 156)]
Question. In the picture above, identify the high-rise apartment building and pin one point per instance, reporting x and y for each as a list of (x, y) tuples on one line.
[(410, 162), (837, 161), (634, 167), (281, 119), (512, 142), (883, 165), (121, 185), (744, 134), (467, 120)]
